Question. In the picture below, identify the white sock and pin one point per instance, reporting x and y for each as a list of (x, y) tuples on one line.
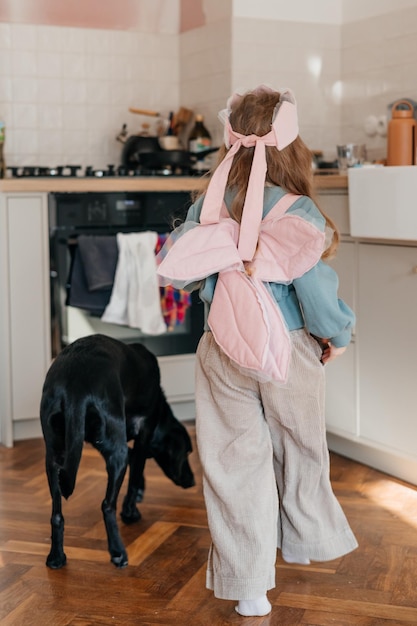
[(293, 559), (253, 608)]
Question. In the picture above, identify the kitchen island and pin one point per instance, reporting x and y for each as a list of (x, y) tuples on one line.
[(370, 397)]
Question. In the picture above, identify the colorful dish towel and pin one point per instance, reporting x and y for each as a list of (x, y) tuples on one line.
[(135, 298), (174, 302)]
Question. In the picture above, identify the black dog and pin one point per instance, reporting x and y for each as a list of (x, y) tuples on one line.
[(107, 393)]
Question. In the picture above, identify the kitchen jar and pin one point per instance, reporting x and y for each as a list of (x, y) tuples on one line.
[(350, 155)]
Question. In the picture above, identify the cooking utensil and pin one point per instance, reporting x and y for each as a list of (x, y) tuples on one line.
[(172, 158), (135, 146), (146, 151), (182, 121), (144, 112)]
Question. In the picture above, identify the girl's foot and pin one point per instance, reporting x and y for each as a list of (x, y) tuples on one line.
[(254, 608)]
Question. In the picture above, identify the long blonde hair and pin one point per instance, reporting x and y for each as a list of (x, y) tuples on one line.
[(289, 168)]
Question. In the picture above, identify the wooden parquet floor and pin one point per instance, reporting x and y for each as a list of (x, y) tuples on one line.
[(164, 583)]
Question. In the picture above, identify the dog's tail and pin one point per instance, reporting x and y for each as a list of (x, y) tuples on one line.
[(74, 441)]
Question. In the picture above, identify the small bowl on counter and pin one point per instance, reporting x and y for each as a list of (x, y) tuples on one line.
[(350, 155), (169, 142)]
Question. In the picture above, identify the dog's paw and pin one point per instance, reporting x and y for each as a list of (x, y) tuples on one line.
[(119, 560), (56, 561), (131, 517)]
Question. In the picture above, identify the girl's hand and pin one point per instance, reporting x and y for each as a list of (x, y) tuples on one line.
[(331, 352)]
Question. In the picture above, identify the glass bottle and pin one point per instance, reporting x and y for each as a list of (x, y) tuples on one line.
[(199, 141), (170, 130), (200, 138)]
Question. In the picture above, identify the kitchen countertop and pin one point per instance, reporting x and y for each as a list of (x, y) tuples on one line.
[(152, 183)]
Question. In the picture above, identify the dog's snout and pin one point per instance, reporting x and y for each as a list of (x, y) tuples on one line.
[(187, 477)]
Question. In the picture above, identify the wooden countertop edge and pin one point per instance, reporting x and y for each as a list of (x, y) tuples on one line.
[(153, 183), (74, 185)]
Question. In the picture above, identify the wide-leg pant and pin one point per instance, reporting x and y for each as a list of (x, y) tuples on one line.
[(265, 466)]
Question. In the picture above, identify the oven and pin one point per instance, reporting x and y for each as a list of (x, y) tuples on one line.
[(104, 214)]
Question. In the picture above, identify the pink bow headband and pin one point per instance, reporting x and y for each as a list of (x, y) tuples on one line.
[(284, 130)]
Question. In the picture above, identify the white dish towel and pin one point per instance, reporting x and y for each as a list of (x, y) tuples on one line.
[(135, 298)]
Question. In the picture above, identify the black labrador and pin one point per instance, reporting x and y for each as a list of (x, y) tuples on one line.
[(106, 393)]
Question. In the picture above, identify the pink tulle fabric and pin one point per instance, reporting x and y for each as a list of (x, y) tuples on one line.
[(245, 319)]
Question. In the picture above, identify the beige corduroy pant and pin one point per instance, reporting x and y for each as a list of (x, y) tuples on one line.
[(265, 469)]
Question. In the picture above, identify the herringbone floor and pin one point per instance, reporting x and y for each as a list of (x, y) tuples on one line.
[(164, 582)]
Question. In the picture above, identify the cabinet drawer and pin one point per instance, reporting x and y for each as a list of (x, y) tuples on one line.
[(177, 377)]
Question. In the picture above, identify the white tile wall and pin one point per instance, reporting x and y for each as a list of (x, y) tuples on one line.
[(378, 67), (65, 92), (238, 55), (341, 74), (304, 57), (206, 71)]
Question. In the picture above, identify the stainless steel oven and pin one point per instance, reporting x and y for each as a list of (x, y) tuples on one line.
[(106, 214)]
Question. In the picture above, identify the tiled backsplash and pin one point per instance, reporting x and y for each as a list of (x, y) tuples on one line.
[(304, 57), (378, 67), (341, 74), (65, 91)]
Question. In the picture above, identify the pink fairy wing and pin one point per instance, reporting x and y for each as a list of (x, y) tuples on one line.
[(237, 322), (248, 326), (201, 252), (288, 247)]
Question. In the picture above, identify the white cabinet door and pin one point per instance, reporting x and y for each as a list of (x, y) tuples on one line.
[(28, 264), (177, 381), (335, 204), (341, 393), (387, 335)]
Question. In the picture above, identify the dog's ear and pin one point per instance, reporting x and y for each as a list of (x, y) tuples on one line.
[(170, 440)]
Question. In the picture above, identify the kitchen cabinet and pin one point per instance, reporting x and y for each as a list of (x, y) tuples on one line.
[(24, 311), (341, 383), (387, 310), (341, 377), (371, 396)]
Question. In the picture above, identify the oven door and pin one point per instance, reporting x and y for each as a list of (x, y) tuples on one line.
[(181, 339), (72, 215)]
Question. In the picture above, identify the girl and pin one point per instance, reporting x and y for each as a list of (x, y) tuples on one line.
[(254, 242)]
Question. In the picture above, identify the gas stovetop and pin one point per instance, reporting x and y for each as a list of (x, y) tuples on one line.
[(77, 171)]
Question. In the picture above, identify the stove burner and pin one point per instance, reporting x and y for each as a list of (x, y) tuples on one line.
[(33, 171), (71, 171), (110, 171)]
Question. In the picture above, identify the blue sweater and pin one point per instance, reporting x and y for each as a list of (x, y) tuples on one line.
[(310, 301)]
